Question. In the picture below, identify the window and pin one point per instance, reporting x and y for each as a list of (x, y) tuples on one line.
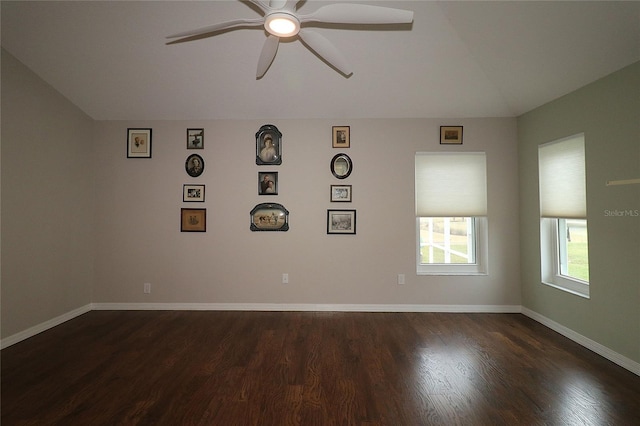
[(447, 240), (563, 212), (573, 250), (451, 208)]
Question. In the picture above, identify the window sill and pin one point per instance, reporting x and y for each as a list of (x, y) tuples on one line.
[(570, 286)]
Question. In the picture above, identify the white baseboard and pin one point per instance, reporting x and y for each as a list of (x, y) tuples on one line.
[(596, 347), (305, 307), (284, 307), (36, 329)]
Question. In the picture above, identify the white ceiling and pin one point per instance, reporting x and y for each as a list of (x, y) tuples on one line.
[(458, 59)]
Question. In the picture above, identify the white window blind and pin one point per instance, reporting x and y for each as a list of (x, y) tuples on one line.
[(451, 184), (562, 179)]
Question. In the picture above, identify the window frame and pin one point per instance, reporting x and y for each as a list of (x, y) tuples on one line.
[(551, 273), (557, 202), (481, 248)]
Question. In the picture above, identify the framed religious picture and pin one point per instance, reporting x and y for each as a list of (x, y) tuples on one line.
[(341, 137), (340, 193), (451, 135), (268, 145), (193, 193), (269, 217), (194, 165), (138, 143), (195, 138), (341, 221), (267, 183), (193, 220)]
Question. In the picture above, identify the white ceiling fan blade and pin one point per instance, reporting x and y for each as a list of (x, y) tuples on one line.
[(269, 50), (283, 4), (291, 5), (220, 26), (358, 14), (326, 50), (261, 5)]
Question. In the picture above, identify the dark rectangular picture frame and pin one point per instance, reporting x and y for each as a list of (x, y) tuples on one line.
[(341, 193), (195, 138), (268, 186), (138, 143), (450, 135), (341, 222), (193, 193), (193, 220)]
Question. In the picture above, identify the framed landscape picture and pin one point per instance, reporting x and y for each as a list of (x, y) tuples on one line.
[(341, 221), (340, 193), (451, 135), (269, 217)]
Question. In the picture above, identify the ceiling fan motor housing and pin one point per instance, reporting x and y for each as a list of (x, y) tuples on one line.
[(282, 24)]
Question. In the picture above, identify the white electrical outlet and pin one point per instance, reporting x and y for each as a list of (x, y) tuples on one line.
[(147, 287), (285, 278), (400, 279)]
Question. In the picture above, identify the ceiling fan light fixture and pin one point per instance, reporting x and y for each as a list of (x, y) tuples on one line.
[(282, 24), (281, 21)]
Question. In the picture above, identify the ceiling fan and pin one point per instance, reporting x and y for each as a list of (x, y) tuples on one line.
[(281, 20)]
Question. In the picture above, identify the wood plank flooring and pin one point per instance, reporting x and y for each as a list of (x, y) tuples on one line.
[(310, 368)]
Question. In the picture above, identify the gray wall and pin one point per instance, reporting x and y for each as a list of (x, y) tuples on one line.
[(47, 201), (140, 199), (83, 224), (608, 112)]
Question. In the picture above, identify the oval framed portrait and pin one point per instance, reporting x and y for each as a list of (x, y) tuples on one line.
[(341, 166), (268, 145), (194, 165)]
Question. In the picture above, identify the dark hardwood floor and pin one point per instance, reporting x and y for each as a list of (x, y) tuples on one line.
[(306, 368)]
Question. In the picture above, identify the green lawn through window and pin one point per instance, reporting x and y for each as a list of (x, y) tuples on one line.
[(578, 254)]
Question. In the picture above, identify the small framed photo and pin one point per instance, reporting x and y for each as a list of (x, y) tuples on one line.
[(193, 220), (268, 145), (341, 221), (195, 138), (194, 165), (267, 183), (450, 135), (269, 217), (341, 137), (138, 143), (340, 193), (193, 193)]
